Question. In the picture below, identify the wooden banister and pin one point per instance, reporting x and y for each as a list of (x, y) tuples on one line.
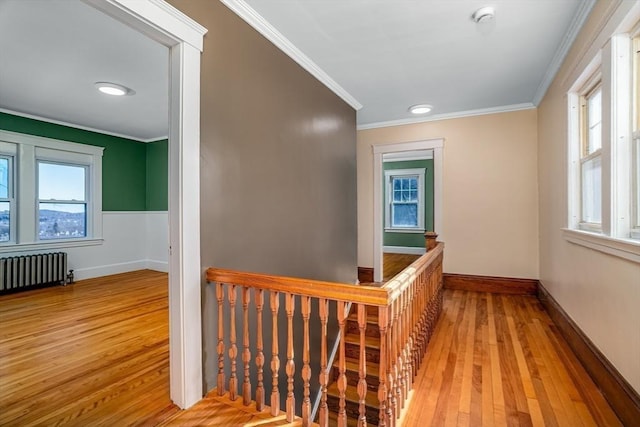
[(407, 309)]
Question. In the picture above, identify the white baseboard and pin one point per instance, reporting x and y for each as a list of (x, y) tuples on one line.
[(403, 250), (154, 265), (106, 270)]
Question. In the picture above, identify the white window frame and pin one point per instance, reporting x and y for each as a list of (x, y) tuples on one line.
[(594, 84), (635, 172), (29, 150), (389, 175), (86, 201), (4, 154), (615, 236)]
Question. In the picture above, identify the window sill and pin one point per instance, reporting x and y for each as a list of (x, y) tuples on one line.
[(623, 248), (405, 230), (38, 246)]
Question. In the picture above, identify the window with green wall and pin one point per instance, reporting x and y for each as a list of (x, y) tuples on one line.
[(134, 174), (404, 239)]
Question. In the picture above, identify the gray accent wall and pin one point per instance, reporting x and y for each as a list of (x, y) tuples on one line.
[(278, 167)]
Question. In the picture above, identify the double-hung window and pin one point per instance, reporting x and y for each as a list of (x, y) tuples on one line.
[(50, 193), (635, 230), (62, 201), (405, 200), (591, 158), (7, 203), (604, 148)]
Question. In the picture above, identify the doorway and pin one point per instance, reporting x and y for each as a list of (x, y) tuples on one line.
[(405, 149), (184, 38)]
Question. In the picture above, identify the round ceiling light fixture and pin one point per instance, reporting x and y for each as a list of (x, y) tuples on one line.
[(420, 109), (483, 14), (114, 89)]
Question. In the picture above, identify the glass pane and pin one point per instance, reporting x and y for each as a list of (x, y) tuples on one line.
[(397, 184), (397, 195), (414, 195), (637, 186), (61, 182), (595, 117), (405, 215), (592, 190), (4, 179), (5, 225), (414, 183), (62, 221)]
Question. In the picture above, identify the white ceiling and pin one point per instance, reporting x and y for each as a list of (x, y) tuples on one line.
[(383, 55), (53, 51)]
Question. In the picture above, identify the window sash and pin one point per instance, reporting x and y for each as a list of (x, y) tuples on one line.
[(404, 188), (7, 204)]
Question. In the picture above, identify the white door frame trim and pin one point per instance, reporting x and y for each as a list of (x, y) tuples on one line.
[(437, 145), (184, 38)]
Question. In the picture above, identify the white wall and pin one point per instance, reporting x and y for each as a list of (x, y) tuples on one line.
[(490, 191), (132, 241), (600, 292)]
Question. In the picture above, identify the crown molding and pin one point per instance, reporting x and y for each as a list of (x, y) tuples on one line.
[(567, 41), (76, 126), (251, 17), (447, 116)]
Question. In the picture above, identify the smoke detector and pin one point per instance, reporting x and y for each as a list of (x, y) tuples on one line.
[(483, 14)]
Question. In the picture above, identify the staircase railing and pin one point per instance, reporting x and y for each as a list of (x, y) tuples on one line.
[(407, 309)]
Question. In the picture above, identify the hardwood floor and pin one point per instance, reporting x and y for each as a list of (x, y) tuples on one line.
[(92, 353), (395, 263), (498, 360), (96, 353)]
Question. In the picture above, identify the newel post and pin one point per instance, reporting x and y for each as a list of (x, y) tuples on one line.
[(430, 240)]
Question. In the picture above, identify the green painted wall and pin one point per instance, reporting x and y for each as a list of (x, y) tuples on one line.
[(157, 181), (411, 240), (125, 178)]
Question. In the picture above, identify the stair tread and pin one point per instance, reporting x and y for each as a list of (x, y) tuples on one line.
[(333, 420), (371, 318), (352, 364), (351, 395), (370, 342)]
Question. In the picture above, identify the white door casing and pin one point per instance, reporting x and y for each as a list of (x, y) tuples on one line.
[(184, 38), (437, 145)]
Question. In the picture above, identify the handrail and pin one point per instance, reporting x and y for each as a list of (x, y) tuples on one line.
[(370, 295), (402, 280), (336, 291), (406, 307)]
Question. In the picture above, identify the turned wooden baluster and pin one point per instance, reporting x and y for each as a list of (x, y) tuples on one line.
[(383, 320), (391, 371), (402, 351), (246, 355), (275, 360), (259, 296), (305, 303), (408, 378), (342, 368), (291, 366), (362, 371), (323, 308), (221, 379), (233, 349)]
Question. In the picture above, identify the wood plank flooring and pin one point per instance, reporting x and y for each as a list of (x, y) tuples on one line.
[(498, 360), (393, 264), (96, 354), (93, 353)]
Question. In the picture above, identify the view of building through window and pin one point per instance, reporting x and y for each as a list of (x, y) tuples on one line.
[(5, 205), (62, 200)]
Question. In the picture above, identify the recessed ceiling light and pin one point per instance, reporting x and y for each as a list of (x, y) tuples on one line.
[(114, 89), (483, 14), (420, 109)]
